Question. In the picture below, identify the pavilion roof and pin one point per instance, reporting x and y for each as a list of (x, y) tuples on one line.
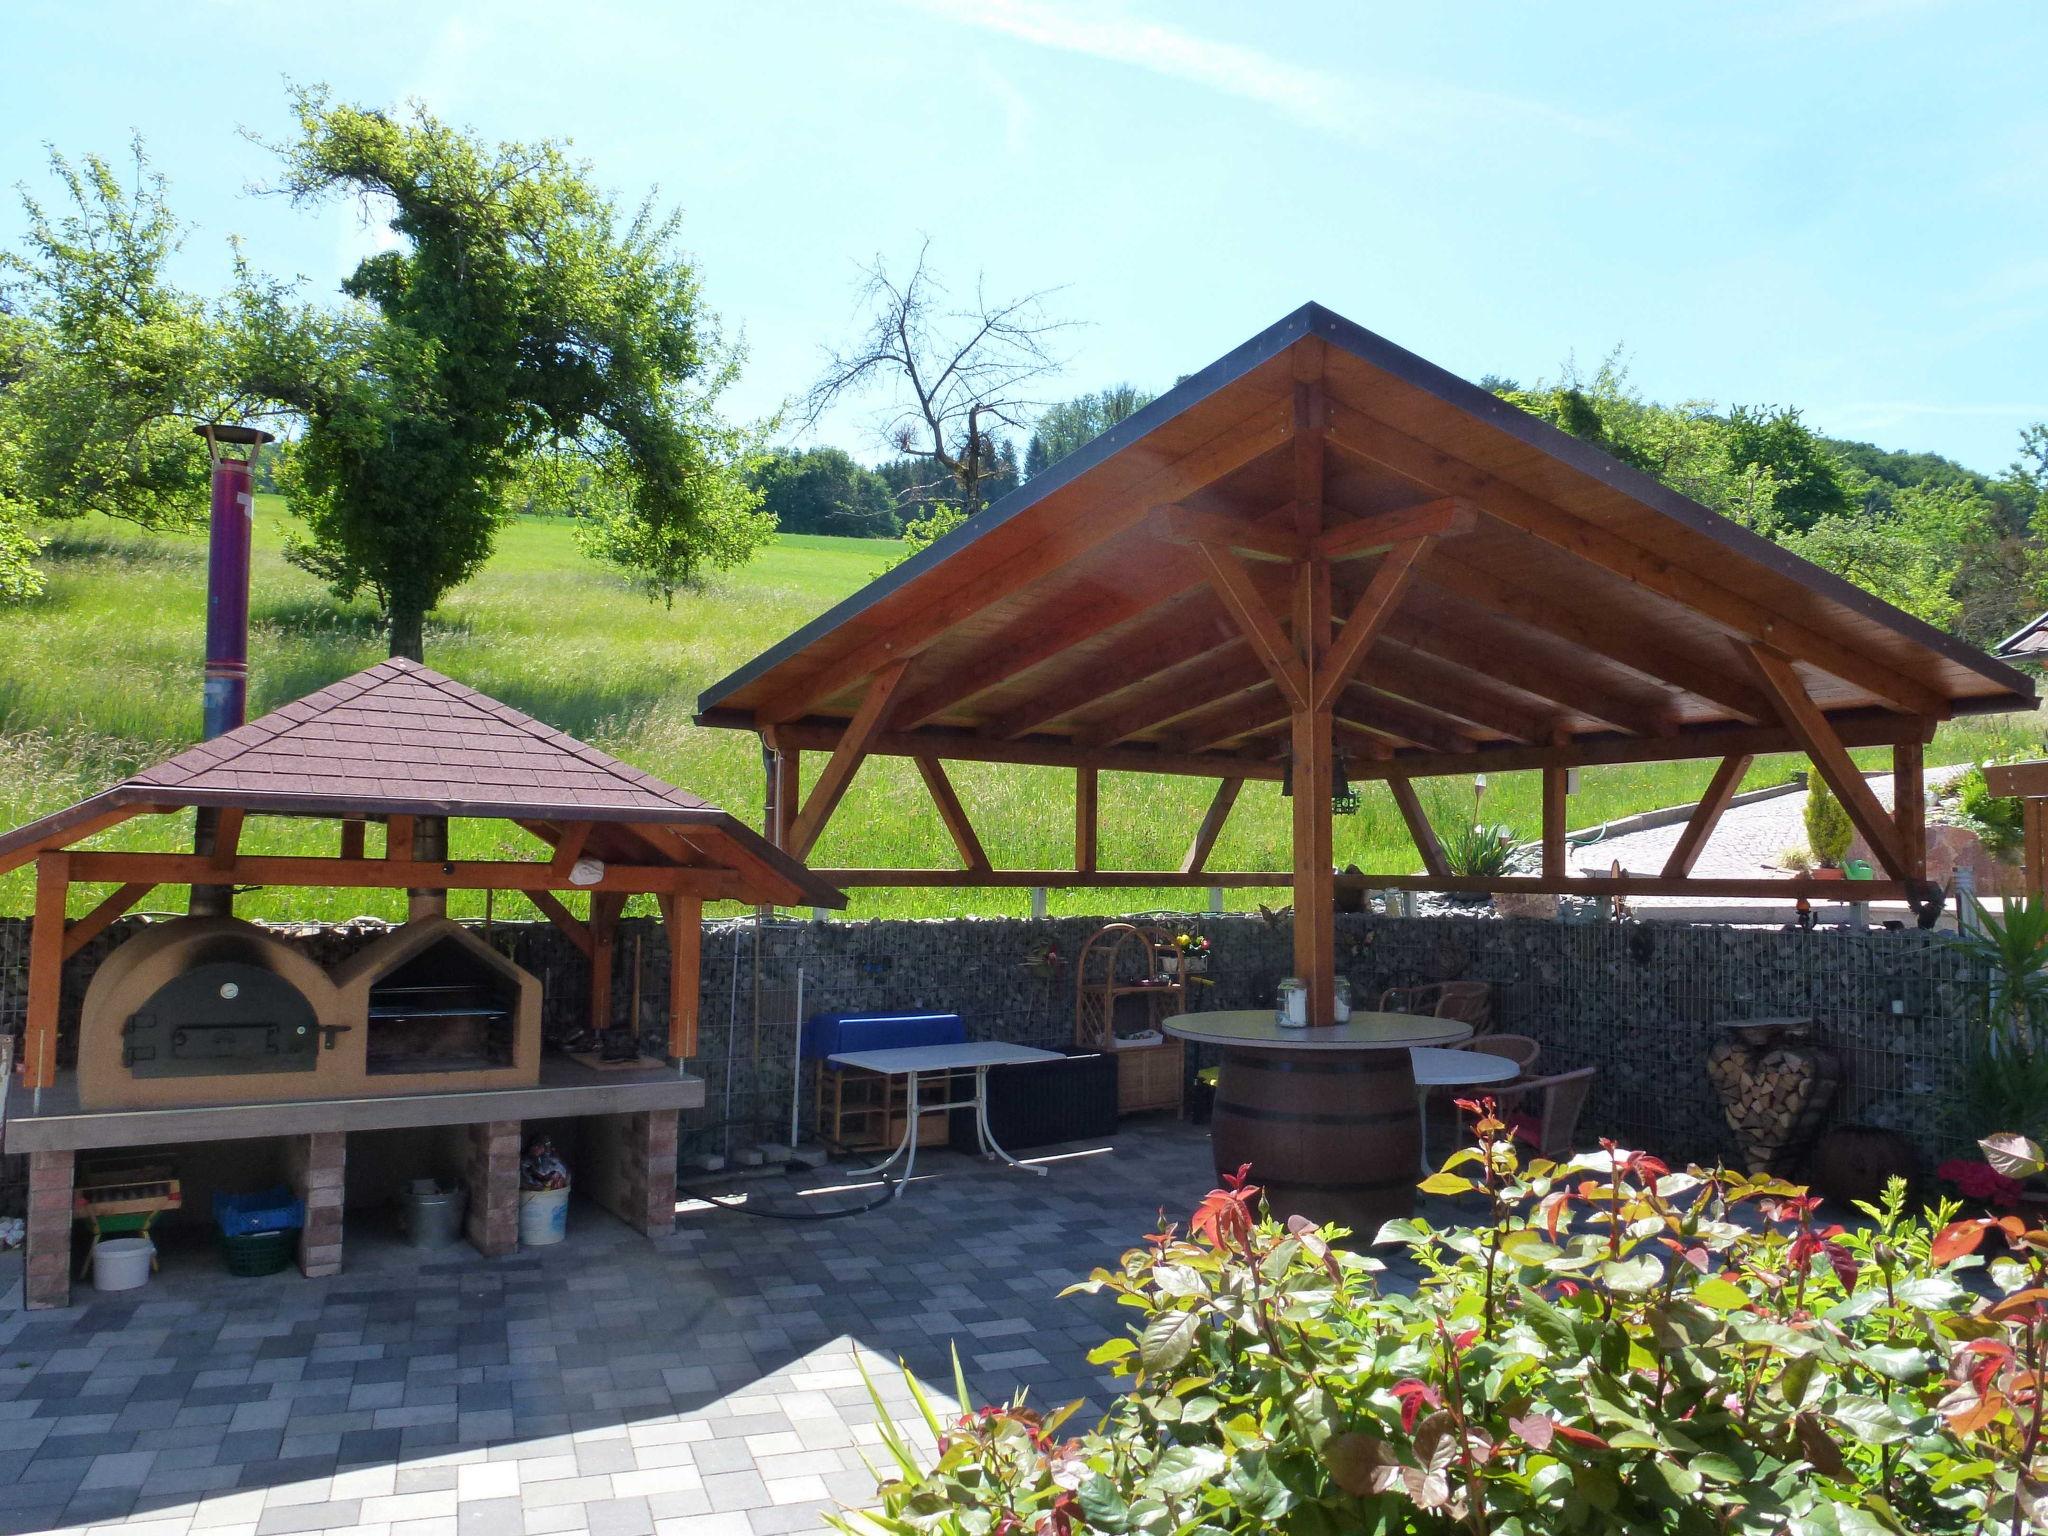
[(399, 739), (1565, 607)]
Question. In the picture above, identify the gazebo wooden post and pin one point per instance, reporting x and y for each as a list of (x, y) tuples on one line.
[(683, 919), (45, 971), (1312, 725)]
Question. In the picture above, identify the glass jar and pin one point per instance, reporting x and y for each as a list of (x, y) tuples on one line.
[(1292, 1012), (1340, 1000)]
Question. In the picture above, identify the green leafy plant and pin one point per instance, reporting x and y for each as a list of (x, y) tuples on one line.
[(1473, 847), (1828, 830), (1994, 818), (1615, 1347), (2005, 1072)]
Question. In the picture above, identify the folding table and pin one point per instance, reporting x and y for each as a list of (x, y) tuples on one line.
[(914, 1061)]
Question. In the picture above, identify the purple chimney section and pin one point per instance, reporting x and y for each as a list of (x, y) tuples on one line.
[(227, 580)]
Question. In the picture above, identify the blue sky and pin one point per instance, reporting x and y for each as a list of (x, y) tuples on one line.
[(1837, 204)]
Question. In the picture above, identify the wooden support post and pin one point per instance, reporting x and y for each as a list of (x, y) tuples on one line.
[(227, 836), (97, 921), (1086, 820), (1706, 816), (1909, 805), (1816, 734), (398, 838), (952, 813), (1315, 889), (1211, 827), (2034, 846), (352, 838), (1426, 844), (683, 918), (605, 907), (786, 794), (45, 970), (1556, 782), (862, 729)]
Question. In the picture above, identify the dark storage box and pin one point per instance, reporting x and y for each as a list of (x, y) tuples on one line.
[(1035, 1103)]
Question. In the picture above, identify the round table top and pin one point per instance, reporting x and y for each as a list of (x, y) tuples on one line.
[(1255, 1028), (1438, 1068)]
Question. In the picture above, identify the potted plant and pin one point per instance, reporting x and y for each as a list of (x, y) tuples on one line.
[(1188, 955), (1477, 849), (1828, 831)]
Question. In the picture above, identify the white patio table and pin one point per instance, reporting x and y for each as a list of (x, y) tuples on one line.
[(914, 1061), (1438, 1068)]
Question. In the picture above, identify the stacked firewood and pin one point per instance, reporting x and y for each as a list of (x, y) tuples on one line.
[(1775, 1085)]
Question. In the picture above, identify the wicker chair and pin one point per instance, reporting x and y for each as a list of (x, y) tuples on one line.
[(1468, 1002), (1544, 1111)]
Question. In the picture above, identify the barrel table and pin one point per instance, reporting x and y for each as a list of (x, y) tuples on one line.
[(1327, 1117)]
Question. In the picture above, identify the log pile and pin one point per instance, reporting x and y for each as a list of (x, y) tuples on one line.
[(1775, 1084)]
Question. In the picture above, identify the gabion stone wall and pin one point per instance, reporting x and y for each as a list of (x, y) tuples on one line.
[(1638, 1001)]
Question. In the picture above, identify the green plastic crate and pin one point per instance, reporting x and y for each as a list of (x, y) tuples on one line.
[(258, 1253)]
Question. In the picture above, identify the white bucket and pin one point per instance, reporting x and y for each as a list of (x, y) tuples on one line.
[(543, 1217), (121, 1263)]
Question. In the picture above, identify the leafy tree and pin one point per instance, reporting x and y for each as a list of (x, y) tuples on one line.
[(1073, 424), (525, 338), (105, 366), (824, 490), (920, 533), (1808, 476)]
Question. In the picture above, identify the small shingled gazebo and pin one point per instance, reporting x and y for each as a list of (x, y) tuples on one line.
[(406, 747), (1323, 555)]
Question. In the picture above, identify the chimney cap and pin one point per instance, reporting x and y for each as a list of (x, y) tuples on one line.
[(216, 432)]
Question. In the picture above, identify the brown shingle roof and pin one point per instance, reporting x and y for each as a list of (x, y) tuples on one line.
[(401, 739)]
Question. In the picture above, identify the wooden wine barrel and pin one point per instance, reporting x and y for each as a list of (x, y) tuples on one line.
[(1331, 1135)]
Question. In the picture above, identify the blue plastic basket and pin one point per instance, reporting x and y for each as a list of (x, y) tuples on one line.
[(262, 1210)]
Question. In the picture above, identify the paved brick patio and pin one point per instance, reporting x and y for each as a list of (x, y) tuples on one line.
[(704, 1383)]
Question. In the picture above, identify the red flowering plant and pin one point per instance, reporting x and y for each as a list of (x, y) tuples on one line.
[(1980, 1183), (1612, 1346)]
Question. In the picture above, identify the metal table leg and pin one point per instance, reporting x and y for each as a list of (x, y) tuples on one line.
[(907, 1144), (981, 1130)]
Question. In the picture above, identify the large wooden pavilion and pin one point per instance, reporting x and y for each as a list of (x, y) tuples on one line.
[(1323, 551)]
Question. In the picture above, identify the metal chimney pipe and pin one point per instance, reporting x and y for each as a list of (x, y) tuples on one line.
[(225, 691)]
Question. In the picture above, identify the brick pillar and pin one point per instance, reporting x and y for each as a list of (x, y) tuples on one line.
[(492, 1173), (315, 1164), (46, 1280), (632, 1169)]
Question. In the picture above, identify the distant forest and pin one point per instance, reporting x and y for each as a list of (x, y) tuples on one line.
[(1958, 547)]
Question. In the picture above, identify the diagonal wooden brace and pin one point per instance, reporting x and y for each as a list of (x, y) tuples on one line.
[(860, 732), (1246, 605)]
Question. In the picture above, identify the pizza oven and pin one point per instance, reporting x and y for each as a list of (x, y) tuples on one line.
[(213, 1010)]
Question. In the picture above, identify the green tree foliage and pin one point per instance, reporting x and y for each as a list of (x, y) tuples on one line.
[(525, 339), (920, 533), (824, 490), (1075, 423), (105, 366)]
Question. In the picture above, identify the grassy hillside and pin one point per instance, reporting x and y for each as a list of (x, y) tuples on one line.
[(101, 675)]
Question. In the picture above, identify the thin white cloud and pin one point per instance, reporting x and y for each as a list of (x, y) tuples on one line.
[(1314, 98)]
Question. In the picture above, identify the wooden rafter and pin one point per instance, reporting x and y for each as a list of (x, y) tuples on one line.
[(1211, 828), (846, 759), (1377, 531), (1401, 720), (952, 813), (1424, 835), (1260, 432), (1246, 604), (1544, 676), (1176, 638), (569, 847), (553, 909), (97, 921), (1600, 634), (1706, 815), (1368, 617), (227, 836), (1354, 432), (1264, 537), (1227, 674), (1805, 720)]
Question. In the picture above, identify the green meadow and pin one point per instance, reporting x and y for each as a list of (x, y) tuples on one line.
[(100, 676)]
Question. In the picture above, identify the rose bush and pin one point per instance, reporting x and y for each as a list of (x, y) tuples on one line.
[(1616, 1347)]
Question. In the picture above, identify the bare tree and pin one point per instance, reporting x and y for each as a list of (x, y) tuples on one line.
[(955, 376)]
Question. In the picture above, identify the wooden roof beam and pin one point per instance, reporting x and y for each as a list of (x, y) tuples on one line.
[(1246, 604), (1212, 826), (1232, 672), (1368, 617), (847, 756), (1423, 679), (1036, 751), (1625, 645), (1257, 707), (979, 589), (1803, 718), (952, 813), (1424, 835), (1354, 432), (1393, 717), (1375, 532), (1542, 676), (1174, 640), (1267, 538)]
